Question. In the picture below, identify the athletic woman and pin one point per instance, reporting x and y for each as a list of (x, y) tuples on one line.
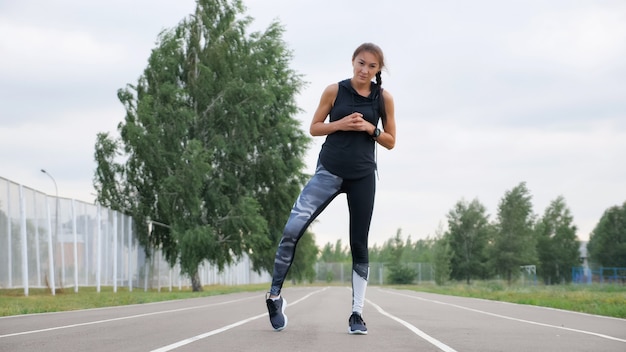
[(348, 115)]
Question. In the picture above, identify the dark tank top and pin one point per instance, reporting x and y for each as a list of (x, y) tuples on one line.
[(350, 154)]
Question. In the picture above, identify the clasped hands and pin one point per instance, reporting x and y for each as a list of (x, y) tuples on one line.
[(356, 122)]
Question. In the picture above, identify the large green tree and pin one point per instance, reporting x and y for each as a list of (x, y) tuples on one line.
[(468, 232), (209, 145), (557, 244), (607, 242), (513, 244)]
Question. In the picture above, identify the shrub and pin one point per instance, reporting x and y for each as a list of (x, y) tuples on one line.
[(401, 274)]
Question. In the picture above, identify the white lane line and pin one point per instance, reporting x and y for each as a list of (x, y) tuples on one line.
[(225, 328), (510, 318), (440, 345), (124, 318)]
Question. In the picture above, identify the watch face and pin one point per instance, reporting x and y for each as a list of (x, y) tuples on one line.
[(377, 132)]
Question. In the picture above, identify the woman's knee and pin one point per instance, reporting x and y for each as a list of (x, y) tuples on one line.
[(360, 253), (294, 229)]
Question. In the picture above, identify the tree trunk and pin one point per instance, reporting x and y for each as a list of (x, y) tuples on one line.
[(196, 285)]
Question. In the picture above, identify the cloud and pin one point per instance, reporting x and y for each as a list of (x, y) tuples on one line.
[(488, 94), (39, 52), (578, 40)]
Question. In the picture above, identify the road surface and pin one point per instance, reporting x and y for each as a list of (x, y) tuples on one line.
[(397, 320)]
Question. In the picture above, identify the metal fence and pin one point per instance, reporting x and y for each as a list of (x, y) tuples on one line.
[(61, 243), (598, 274), (379, 272)]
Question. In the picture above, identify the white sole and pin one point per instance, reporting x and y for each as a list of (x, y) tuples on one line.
[(357, 332)]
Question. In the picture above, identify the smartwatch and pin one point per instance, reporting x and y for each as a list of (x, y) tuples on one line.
[(376, 133)]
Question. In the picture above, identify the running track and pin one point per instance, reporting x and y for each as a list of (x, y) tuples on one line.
[(397, 321)]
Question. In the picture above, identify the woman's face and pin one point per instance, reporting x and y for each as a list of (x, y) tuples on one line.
[(365, 66)]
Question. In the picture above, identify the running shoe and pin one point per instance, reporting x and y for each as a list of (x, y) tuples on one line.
[(276, 309), (357, 325)]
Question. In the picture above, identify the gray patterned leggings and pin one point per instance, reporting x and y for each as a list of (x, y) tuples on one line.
[(314, 198)]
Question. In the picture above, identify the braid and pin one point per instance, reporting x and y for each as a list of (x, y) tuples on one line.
[(381, 98)]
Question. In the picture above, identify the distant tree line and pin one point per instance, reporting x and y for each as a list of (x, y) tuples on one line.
[(473, 247)]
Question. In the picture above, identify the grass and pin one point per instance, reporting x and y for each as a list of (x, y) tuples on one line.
[(600, 299), (13, 301)]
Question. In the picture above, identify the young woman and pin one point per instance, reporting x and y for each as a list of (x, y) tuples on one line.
[(346, 164)]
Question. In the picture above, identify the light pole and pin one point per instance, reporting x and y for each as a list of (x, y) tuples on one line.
[(56, 218)]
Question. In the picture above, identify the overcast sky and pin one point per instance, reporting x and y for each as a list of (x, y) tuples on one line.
[(488, 94)]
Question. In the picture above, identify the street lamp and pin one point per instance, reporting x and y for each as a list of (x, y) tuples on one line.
[(56, 189), (56, 215)]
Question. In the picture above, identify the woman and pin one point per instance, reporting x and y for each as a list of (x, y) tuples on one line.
[(346, 164)]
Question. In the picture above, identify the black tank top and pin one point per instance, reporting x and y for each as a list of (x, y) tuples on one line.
[(350, 154)]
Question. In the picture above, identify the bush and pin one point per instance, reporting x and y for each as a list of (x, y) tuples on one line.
[(400, 274)]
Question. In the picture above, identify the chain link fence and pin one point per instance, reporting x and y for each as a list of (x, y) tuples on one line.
[(379, 272), (61, 243)]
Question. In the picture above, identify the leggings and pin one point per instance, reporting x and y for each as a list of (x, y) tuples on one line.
[(314, 198)]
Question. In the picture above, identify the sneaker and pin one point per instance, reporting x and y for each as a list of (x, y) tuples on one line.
[(357, 325), (276, 309)]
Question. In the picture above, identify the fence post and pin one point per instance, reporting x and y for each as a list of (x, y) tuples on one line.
[(171, 278), (75, 233), (98, 248), (158, 271), (60, 238), (341, 271), (419, 275), (106, 255), (180, 278), (130, 255), (601, 275), (24, 242), (9, 239), (146, 271), (115, 214), (88, 246), (120, 257), (50, 252), (37, 254)]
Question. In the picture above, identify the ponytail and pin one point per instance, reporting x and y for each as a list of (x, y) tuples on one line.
[(381, 99)]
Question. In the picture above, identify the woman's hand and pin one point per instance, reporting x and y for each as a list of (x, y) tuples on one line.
[(355, 122)]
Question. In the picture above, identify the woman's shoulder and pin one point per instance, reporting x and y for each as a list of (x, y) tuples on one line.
[(386, 94), (332, 89)]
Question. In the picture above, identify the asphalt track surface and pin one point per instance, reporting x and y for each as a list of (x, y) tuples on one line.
[(318, 321)]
